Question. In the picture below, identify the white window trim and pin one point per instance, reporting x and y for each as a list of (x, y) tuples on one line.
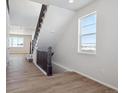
[(85, 51)]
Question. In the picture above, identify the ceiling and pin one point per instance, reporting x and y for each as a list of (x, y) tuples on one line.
[(65, 4), (24, 13), (20, 30)]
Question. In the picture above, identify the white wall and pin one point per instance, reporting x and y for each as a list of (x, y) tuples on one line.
[(104, 65), (55, 20), (7, 33), (25, 49)]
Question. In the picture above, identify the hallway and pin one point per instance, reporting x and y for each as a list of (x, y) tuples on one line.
[(24, 77)]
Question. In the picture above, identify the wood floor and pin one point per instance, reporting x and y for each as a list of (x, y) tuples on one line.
[(24, 77)]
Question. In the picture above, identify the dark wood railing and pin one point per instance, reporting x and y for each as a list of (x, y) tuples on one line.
[(43, 57), (39, 24), (7, 4), (44, 60)]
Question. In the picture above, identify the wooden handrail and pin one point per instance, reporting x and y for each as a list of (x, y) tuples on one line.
[(7, 3)]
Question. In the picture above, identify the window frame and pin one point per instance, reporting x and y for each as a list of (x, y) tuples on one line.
[(86, 51), (18, 46)]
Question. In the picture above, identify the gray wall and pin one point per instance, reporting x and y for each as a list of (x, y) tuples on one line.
[(55, 20), (7, 34), (103, 66)]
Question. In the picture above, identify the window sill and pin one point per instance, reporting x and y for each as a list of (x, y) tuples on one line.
[(16, 47), (92, 52)]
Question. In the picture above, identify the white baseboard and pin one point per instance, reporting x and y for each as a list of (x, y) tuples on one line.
[(90, 77), (60, 66), (40, 69)]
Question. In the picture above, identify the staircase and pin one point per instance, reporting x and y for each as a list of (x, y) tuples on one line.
[(42, 61), (43, 44), (39, 25)]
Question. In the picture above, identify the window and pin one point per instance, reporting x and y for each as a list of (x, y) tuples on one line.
[(87, 34), (16, 41)]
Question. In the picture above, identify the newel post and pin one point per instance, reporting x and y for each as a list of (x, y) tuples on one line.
[(49, 61)]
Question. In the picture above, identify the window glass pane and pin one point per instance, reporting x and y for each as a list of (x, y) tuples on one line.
[(91, 19), (88, 29), (10, 41), (88, 40), (20, 42), (14, 42)]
